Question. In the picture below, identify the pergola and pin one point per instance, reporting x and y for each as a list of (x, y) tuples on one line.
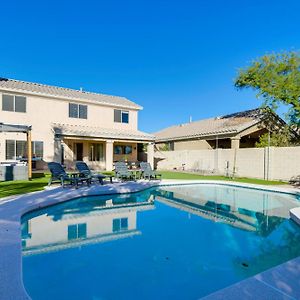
[(21, 129)]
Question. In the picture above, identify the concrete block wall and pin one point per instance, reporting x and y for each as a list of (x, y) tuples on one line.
[(285, 162), (264, 163), (250, 162)]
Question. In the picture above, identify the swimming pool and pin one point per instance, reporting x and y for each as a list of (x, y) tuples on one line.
[(173, 242)]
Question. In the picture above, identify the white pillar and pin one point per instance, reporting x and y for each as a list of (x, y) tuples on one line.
[(150, 154), (109, 155), (57, 149), (235, 143)]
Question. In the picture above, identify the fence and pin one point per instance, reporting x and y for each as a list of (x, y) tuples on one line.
[(265, 163)]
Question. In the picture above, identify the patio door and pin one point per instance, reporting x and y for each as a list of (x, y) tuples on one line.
[(79, 151)]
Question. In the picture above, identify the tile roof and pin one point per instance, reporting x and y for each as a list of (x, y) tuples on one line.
[(98, 132), (228, 124), (54, 91)]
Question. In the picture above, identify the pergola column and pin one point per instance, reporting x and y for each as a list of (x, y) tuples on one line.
[(109, 155), (29, 154), (150, 154)]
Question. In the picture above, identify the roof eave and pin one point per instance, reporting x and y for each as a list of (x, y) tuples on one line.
[(105, 136), (134, 106), (115, 138), (197, 136), (211, 134)]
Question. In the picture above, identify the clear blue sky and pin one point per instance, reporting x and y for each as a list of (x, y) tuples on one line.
[(175, 58)]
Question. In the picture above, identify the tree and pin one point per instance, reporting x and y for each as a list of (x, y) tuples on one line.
[(165, 147), (275, 77), (282, 138)]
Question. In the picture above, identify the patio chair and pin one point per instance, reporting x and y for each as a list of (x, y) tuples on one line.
[(86, 172), (147, 172), (59, 173), (122, 172), (295, 180)]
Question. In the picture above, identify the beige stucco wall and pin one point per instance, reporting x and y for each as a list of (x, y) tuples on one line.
[(268, 163), (41, 112)]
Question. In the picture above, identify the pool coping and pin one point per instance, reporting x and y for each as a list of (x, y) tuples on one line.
[(12, 208)]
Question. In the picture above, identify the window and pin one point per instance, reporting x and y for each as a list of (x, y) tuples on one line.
[(121, 116), (118, 149), (21, 149), (117, 116), (18, 149), (13, 103), (77, 231), (120, 224), (96, 152), (10, 149), (77, 111), (73, 110), (83, 111), (20, 104), (127, 149), (125, 117), (38, 149), (8, 103)]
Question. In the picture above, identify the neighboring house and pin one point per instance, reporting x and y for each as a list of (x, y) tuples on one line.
[(69, 125), (238, 130)]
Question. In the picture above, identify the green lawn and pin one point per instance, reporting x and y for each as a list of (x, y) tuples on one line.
[(40, 180), (9, 188), (180, 175)]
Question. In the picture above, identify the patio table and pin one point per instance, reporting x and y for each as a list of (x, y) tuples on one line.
[(74, 174), (77, 176), (136, 173)]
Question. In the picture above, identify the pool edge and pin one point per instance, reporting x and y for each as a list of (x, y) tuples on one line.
[(13, 208)]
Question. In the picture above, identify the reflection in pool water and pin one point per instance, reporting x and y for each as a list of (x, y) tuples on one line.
[(191, 241), (83, 221)]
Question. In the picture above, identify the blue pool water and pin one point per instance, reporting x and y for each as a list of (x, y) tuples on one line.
[(176, 242)]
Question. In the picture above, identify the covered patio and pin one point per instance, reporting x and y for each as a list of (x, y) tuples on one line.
[(11, 172), (100, 147)]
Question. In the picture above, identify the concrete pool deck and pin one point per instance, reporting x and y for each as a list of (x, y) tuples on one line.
[(280, 282)]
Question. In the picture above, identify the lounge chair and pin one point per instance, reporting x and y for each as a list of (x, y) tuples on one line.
[(295, 180), (59, 173), (86, 172), (122, 172), (147, 172)]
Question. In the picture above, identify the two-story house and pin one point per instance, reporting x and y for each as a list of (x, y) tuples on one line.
[(69, 125)]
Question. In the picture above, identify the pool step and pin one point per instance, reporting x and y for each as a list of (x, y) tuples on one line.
[(295, 214)]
